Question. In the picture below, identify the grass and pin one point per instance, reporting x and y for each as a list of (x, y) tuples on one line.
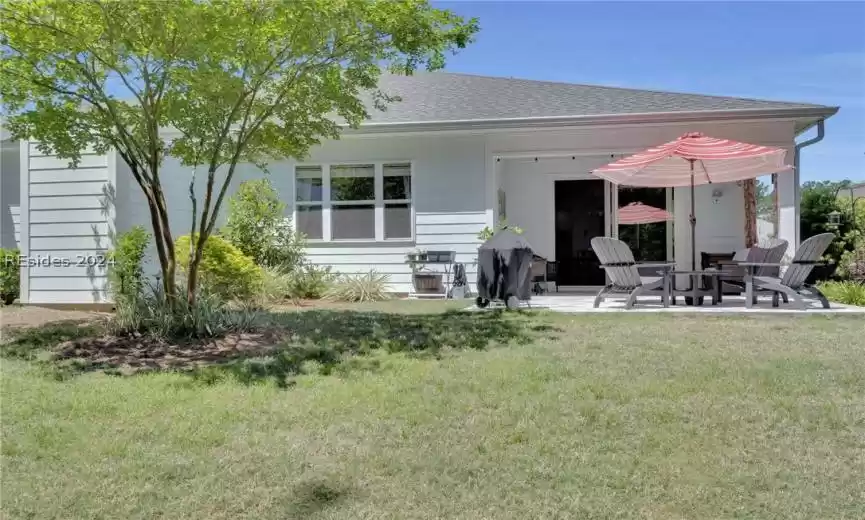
[(595, 416), (848, 292)]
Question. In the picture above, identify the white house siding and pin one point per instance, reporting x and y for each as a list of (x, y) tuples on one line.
[(529, 187), (448, 191), (454, 182), (69, 219), (10, 195), (720, 221), (448, 198)]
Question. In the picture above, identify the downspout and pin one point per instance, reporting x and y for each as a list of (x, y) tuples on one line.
[(821, 132)]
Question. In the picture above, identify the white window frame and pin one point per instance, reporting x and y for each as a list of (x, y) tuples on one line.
[(379, 202), (349, 203), (324, 202), (379, 196)]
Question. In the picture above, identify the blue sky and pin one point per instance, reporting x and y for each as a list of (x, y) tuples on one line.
[(812, 52)]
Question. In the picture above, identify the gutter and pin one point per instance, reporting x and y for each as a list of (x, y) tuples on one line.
[(797, 196), (821, 133), (816, 112), (544, 122)]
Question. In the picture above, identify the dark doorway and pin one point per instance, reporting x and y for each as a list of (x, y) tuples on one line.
[(647, 241), (579, 209)]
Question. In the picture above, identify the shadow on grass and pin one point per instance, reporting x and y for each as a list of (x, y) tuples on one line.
[(333, 340), (31, 343), (290, 344)]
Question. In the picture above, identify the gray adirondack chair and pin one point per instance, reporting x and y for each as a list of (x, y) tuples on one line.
[(792, 283), (768, 253), (618, 261)]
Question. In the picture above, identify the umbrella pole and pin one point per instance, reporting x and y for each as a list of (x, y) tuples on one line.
[(693, 222)]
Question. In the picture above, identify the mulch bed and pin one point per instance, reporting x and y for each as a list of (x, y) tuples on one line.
[(132, 354)]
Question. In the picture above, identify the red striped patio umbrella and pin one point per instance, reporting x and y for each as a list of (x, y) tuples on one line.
[(695, 159), (639, 213)]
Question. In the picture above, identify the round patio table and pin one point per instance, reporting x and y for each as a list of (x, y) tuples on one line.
[(698, 287)]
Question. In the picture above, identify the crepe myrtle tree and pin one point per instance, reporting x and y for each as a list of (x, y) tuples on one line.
[(212, 84)]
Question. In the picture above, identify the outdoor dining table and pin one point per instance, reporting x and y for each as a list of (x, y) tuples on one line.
[(697, 289)]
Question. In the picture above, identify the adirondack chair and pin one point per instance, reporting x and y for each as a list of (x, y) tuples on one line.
[(617, 260), (792, 283), (768, 252)]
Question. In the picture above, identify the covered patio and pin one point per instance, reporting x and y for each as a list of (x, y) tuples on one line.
[(581, 302), (543, 184)]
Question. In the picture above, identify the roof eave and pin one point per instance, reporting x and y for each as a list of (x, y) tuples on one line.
[(603, 119)]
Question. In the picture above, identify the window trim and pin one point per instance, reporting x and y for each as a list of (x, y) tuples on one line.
[(379, 203), (325, 196)]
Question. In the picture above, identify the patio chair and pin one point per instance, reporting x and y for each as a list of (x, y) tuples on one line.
[(768, 252), (617, 260), (792, 282)]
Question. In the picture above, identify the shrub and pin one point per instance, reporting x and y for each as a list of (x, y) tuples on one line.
[(305, 283), (849, 292), (819, 200), (10, 275), (852, 263), (310, 282), (126, 265), (153, 315), (258, 227), (224, 270), (276, 284), (369, 287)]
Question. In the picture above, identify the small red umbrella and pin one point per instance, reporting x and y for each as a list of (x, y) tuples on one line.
[(639, 213)]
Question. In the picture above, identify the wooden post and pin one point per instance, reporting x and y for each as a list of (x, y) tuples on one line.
[(750, 193)]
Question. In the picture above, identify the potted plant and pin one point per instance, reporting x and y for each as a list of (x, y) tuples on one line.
[(415, 258), (486, 233), (427, 281)]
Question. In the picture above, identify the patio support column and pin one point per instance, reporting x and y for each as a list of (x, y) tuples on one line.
[(787, 186), (491, 189)]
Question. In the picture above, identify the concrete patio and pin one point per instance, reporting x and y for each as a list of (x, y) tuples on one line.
[(580, 302)]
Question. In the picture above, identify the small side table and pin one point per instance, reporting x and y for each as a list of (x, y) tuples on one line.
[(695, 292)]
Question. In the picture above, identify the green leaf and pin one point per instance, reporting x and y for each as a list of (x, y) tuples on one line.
[(211, 84)]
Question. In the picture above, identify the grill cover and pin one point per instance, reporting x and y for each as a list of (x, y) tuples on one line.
[(504, 267)]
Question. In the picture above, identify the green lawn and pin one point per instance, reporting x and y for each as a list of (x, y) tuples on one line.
[(539, 416)]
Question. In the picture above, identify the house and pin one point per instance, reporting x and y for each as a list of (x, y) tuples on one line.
[(457, 153)]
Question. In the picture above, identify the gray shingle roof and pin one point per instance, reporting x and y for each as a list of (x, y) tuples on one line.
[(442, 96)]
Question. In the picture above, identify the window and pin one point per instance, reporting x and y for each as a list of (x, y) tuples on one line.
[(309, 183), (352, 196), (397, 200), (354, 201)]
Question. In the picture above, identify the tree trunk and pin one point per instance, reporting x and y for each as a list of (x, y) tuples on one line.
[(192, 276), (206, 225), (776, 221), (164, 252), (197, 240), (750, 192)]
